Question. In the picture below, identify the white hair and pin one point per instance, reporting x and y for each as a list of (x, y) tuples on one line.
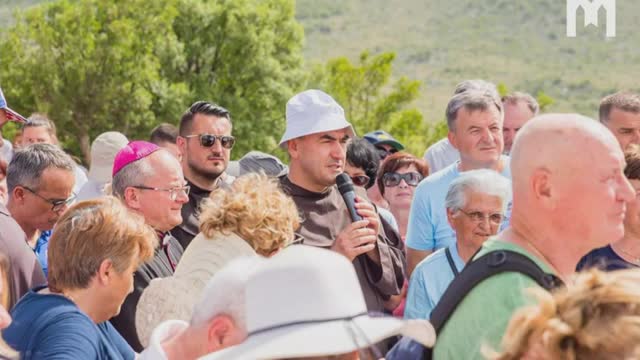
[(482, 181), (225, 293)]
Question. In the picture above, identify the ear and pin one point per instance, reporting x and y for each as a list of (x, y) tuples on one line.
[(221, 333), (181, 142), (293, 147), (131, 198), (542, 185), (452, 139), (18, 195), (105, 272), (450, 217)]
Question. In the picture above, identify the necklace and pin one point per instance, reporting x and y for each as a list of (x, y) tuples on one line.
[(635, 260)]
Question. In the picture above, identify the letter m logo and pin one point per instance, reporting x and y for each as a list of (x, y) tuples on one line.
[(591, 8)]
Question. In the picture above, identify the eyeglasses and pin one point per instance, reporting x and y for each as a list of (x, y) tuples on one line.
[(478, 217), (208, 140), (173, 192), (360, 180), (383, 153), (394, 179), (56, 204)]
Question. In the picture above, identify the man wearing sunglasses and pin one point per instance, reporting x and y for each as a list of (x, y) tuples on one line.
[(40, 182), (205, 143), (149, 181), (316, 139), (474, 119)]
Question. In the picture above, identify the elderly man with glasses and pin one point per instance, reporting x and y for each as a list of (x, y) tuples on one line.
[(205, 143), (475, 203), (40, 186), (149, 181)]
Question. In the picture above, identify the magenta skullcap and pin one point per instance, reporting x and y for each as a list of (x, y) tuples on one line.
[(134, 151)]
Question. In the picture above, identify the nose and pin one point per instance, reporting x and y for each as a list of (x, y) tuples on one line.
[(626, 192), (338, 150), (217, 146), (403, 184), (182, 197)]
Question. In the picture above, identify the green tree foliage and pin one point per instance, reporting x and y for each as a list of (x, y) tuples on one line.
[(89, 64), (372, 101), (245, 55), (96, 65)]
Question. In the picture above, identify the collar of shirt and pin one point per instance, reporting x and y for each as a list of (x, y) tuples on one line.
[(162, 333)]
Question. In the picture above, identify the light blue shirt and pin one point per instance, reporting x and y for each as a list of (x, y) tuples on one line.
[(428, 282), (428, 228)]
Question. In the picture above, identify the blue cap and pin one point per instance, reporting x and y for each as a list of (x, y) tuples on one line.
[(381, 137)]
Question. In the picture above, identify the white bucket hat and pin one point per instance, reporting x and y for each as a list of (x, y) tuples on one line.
[(312, 112), (306, 302), (103, 152)]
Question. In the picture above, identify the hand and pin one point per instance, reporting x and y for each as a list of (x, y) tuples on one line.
[(356, 239), (368, 212)]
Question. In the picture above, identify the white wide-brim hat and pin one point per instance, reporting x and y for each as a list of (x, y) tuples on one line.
[(307, 301), (312, 112)]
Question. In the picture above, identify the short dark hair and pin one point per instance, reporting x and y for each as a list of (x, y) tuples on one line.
[(623, 100), (361, 154), (397, 161), (164, 133), (201, 107)]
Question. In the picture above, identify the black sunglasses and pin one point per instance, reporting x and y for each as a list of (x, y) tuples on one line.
[(208, 140), (360, 180), (394, 179), (383, 153)]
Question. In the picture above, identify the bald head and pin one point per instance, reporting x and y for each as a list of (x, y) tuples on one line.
[(558, 142), (567, 173)]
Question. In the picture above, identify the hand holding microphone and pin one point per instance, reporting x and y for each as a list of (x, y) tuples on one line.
[(361, 235)]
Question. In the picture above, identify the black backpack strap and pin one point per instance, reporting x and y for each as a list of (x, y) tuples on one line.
[(484, 267), (452, 264)]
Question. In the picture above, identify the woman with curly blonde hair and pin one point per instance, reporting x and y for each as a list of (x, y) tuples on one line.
[(597, 316), (252, 217)]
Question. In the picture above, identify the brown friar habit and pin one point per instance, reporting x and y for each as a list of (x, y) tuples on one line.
[(324, 216)]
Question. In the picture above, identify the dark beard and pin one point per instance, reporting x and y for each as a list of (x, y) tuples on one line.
[(204, 173)]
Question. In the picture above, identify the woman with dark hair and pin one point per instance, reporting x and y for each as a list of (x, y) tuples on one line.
[(398, 177), (624, 253), (362, 166)]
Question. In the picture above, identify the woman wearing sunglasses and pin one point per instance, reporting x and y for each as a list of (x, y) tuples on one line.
[(398, 177)]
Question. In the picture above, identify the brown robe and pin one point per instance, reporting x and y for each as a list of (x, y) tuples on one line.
[(324, 216)]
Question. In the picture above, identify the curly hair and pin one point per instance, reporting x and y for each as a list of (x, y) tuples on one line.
[(597, 316), (255, 209)]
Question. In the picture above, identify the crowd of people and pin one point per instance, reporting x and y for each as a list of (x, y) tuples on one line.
[(516, 236)]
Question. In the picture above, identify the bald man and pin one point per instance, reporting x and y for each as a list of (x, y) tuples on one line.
[(569, 195)]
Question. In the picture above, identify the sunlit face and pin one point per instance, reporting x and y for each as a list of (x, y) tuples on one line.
[(37, 135), (592, 206), (401, 196), (321, 156), (480, 218), (515, 116), (206, 162), (55, 185), (478, 136), (625, 126), (159, 210), (121, 285)]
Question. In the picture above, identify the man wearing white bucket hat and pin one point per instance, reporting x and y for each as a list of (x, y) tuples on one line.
[(316, 139), (328, 317)]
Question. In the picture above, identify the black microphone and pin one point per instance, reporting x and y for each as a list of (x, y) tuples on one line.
[(345, 186)]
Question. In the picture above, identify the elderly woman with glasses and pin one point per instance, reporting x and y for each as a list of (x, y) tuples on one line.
[(476, 203), (93, 254), (398, 177), (253, 217)]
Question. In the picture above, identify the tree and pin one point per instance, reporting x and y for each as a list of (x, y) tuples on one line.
[(245, 55), (89, 64), (371, 101), (126, 65)]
